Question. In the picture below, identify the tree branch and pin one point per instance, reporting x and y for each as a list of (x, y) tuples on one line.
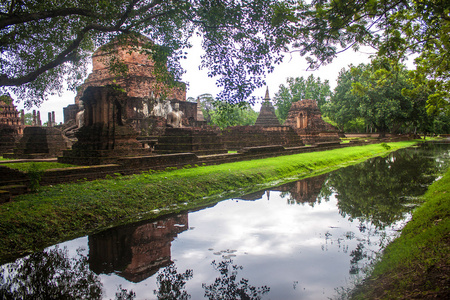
[(63, 12), (66, 55)]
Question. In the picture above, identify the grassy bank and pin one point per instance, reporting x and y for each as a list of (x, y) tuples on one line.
[(417, 264), (67, 211)]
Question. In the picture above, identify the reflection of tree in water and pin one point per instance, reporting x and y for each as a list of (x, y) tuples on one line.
[(357, 255), (377, 194), (227, 287), (50, 274), (370, 240), (123, 294), (377, 190), (171, 283)]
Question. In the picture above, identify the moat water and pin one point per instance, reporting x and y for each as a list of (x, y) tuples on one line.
[(310, 239)]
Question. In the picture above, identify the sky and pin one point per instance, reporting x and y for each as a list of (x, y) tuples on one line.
[(199, 83)]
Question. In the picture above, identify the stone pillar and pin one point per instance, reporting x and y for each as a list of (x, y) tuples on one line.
[(22, 117), (49, 122), (39, 123), (200, 116), (33, 122), (53, 119)]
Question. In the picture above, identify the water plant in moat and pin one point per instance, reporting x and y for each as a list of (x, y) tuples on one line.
[(66, 211)]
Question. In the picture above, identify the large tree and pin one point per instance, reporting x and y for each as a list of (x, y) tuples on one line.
[(395, 28), (45, 44), (376, 93), (297, 89), (342, 108)]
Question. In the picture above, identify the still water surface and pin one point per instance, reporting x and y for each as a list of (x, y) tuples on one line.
[(310, 239)]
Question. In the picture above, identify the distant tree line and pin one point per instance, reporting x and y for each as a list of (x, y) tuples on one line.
[(224, 114), (381, 96)]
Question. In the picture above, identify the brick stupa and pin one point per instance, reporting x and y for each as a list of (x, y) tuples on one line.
[(267, 115), (305, 118)]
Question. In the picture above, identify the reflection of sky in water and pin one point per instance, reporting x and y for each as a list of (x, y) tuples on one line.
[(278, 245), (299, 251)]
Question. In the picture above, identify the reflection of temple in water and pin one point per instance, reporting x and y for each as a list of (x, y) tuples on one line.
[(135, 252), (302, 191)]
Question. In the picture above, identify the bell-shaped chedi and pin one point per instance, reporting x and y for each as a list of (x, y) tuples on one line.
[(267, 115), (305, 118)]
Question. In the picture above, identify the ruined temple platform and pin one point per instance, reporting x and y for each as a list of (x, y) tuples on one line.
[(39, 142), (201, 141)]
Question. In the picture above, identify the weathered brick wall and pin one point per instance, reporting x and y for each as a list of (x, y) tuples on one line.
[(40, 142), (8, 136), (239, 137), (202, 141), (70, 112)]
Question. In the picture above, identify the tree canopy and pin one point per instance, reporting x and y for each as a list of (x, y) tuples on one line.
[(47, 43), (395, 28), (224, 114), (376, 93)]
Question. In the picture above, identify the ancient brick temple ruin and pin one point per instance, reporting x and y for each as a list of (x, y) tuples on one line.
[(123, 115), (20, 141), (105, 133), (39, 142), (305, 118), (11, 126), (148, 101), (132, 115)]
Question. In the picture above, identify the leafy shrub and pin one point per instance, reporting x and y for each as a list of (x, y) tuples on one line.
[(385, 146), (35, 175)]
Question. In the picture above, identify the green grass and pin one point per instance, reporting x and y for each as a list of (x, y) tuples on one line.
[(417, 264), (67, 211), (38, 166)]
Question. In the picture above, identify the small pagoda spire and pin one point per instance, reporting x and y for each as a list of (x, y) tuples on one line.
[(267, 97)]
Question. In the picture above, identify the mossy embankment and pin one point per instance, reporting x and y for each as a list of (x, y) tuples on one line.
[(66, 211), (416, 265)]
